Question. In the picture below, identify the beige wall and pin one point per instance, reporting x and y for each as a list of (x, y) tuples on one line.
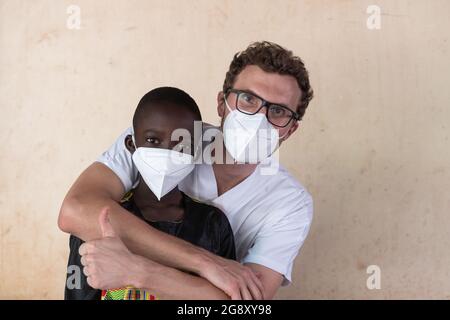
[(373, 148)]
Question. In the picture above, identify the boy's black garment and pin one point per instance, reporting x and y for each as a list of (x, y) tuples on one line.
[(202, 225)]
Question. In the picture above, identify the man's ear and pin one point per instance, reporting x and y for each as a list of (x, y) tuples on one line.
[(291, 130), (129, 144), (220, 104)]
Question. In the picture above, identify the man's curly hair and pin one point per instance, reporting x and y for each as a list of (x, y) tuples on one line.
[(272, 57)]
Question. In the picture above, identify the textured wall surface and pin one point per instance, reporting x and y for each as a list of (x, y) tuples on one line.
[(373, 148)]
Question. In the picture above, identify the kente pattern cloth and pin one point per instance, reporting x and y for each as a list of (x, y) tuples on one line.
[(128, 293)]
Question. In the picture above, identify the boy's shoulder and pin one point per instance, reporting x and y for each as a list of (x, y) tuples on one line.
[(205, 212), (214, 224)]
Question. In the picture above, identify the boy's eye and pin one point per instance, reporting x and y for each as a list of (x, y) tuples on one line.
[(153, 140)]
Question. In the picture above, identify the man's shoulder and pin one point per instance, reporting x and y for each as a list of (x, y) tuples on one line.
[(282, 182), (285, 197)]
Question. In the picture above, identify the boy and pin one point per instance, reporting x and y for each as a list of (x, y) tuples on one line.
[(156, 198)]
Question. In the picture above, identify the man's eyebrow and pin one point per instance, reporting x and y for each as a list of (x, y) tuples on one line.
[(270, 102)]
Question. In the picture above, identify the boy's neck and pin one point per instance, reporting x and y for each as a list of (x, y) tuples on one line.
[(169, 208)]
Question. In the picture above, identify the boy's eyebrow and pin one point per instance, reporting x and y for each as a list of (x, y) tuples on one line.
[(155, 131)]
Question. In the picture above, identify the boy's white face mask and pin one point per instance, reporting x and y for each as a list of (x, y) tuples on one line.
[(162, 169)]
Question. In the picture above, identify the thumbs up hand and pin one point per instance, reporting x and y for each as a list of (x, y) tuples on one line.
[(106, 261)]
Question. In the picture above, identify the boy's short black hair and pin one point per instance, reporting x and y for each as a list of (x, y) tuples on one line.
[(166, 96)]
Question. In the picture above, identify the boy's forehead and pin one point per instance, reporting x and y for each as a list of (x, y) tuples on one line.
[(165, 118)]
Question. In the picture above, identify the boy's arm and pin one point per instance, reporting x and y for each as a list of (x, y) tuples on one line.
[(98, 187)]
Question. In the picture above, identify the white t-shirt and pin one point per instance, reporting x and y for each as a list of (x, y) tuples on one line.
[(270, 214)]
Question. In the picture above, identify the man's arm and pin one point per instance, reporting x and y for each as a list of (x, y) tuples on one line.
[(169, 283), (271, 280), (172, 284), (109, 264), (98, 187)]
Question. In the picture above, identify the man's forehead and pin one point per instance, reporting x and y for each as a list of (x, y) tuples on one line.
[(273, 87)]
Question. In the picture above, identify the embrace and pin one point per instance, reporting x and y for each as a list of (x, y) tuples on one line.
[(149, 220)]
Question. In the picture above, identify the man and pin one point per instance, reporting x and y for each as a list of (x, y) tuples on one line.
[(270, 214)]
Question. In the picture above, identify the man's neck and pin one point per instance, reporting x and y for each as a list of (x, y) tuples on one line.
[(230, 175)]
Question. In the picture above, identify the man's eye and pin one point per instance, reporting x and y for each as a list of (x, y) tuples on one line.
[(277, 111), (248, 98), (153, 140)]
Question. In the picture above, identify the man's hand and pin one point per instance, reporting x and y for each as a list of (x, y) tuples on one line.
[(107, 262), (236, 280)]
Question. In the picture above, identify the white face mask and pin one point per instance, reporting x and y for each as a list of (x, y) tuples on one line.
[(162, 169), (249, 138)]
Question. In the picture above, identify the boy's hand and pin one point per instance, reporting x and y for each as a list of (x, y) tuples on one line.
[(107, 262)]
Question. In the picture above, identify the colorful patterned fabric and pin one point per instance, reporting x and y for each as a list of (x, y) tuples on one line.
[(128, 293)]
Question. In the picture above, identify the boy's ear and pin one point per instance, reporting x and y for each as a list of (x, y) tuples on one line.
[(129, 144)]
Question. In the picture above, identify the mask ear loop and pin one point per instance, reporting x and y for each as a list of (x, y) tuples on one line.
[(226, 103), (284, 135), (197, 152), (134, 140)]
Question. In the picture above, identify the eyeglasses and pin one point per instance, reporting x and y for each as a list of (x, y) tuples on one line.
[(250, 104)]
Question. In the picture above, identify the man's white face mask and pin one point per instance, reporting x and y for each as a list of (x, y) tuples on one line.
[(249, 138), (162, 169)]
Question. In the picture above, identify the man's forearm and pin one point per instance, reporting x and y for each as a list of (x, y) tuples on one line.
[(169, 283), (99, 187), (138, 236)]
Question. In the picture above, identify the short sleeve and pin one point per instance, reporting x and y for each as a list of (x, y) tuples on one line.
[(119, 160), (278, 243)]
